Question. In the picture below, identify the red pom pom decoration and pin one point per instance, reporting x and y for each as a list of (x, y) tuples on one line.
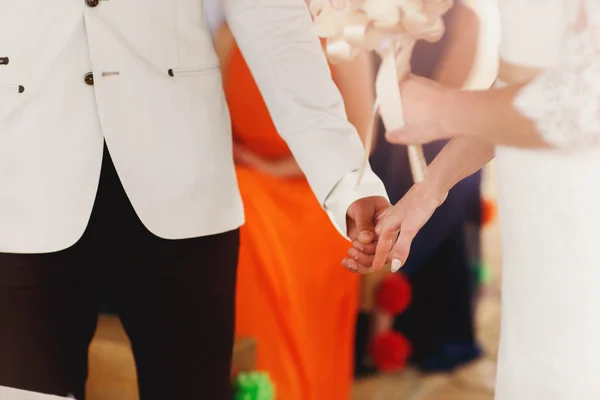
[(390, 351), (393, 294)]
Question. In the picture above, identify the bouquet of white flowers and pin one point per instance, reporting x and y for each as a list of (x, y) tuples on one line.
[(390, 28)]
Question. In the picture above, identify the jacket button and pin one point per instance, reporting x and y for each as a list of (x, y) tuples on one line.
[(92, 3), (89, 78)]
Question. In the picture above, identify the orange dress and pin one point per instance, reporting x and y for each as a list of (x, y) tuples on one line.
[(293, 295)]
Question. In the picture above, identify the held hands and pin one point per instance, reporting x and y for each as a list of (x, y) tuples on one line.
[(399, 225), (395, 229), (360, 220)]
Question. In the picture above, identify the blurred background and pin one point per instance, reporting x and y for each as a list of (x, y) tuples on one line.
[(306, 328)]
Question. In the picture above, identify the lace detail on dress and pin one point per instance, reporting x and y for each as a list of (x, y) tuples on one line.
[(564, 103)]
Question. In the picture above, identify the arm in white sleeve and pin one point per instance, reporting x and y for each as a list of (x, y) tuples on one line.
[(564, 103), (288, 64)]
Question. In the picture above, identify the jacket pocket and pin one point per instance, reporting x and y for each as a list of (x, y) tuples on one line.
[(183, 72), (11, 89)]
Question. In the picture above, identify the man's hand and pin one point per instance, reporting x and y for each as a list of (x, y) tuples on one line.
[(397, 226), (361, 218)]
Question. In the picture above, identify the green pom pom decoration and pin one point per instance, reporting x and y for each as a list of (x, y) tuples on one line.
[(253, 386), (484, 274)]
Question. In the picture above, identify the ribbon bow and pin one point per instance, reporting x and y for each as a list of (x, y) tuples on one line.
[(390, 28)]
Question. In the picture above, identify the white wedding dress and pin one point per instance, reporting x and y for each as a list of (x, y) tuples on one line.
[(550, 208)]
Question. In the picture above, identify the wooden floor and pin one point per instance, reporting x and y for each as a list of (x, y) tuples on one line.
[(474, 382)]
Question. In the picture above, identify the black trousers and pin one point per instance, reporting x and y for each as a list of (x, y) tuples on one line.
[(176, 300)]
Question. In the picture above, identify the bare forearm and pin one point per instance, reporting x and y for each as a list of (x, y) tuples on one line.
[(490, 115), (354, 80), (288, 167), (459, 53), (460, 158)]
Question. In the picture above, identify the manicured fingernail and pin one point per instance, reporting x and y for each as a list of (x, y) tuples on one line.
[(396, 265), (349, 265), (358, 246)]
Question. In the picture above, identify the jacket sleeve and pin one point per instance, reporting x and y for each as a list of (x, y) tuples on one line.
[(290, 69)]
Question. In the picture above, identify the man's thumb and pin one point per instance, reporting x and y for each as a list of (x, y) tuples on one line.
[(364, 226)]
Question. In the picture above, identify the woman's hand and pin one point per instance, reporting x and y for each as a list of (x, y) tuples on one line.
[(433, 112), (424, 104), (397, 226), (282, 168)]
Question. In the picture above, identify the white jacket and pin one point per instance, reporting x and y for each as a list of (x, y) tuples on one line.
[(143, 75)]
